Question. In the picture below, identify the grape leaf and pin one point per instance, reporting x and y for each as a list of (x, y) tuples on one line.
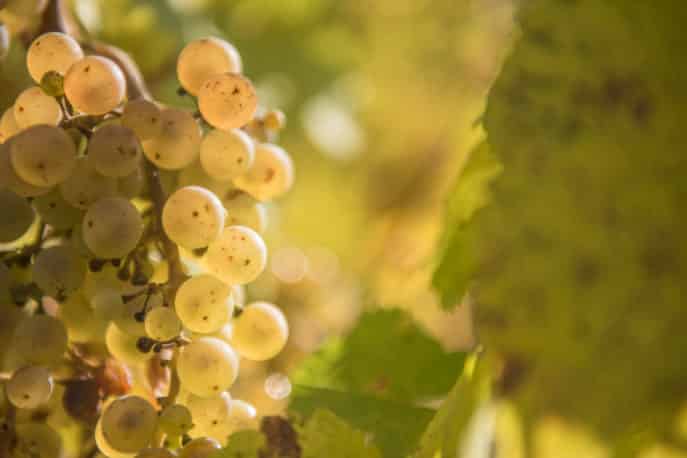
[(242, 444), (582, 258), (469, 194), (387, 355), (395, 427), (325, 434)]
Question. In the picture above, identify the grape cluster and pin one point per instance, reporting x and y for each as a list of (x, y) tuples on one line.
[(128, 231)]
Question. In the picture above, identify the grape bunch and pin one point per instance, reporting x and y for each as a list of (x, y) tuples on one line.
[(128, 231)]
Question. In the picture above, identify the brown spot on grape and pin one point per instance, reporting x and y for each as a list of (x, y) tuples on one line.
[(246, 262), (90, 224), (195, 214), (269, 175), (87, 69), (236, 91), (157, 155)]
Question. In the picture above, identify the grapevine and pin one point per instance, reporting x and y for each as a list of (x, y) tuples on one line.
[(107, 271)]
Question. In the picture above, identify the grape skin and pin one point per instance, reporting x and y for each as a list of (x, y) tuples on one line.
[(114, 151), (201, 447), (37, 440), (260, 332), (203, 58), (95, 85), (175, 420), (17, 216), (57, 212), (10, 180), (33, 107), (244, 210), (43, 155), (225, 155), (29, 387), (207, 366), (125, 317), (204, 304), (52, 51), (155, 453), (177, 144), (271, 175), (82, 323), (193, 217), (243, 416), (129, 423), (104, 447), (162, 324), (59, 270), (210, 416), (238, 256), (123, 346), (40, 339), (143, 117), (112, 228), (227, 101), (8, 125)]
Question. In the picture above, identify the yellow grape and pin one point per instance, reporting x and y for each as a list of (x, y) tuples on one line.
[(43, 155), (203, 58), (177, 144), (52, 51), (227, 101), (95, 85)]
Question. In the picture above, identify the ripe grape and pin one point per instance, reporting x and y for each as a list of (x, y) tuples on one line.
[(195, 175), (8, 125), (40, 339), (238, 256), (162, 324), (43, 155), (124, 346), (227, 100), (207, 366), (114, 151), (81, 321), (244, 210), (178, 142), (204, 304), (143, 117), (126, 316), (29, 387), (271, 174), (95, 85), (203, 58), (193, 217), (129, 424), (37, 440), (225, 155), (52, 51), (17, 216), (107, 303), (33, 107), (210, 416), (131, 185), (155, 453), (260, 332), (59, 270), (175, 420), (57, 212), (243, 416), (112, 228), (4, 41), (201, 447), (104, 447), (10, 180)]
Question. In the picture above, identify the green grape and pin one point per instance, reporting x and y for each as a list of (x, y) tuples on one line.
[(81, 320), (227, 100), (210, 416), (8, 125), (193, 217), (207, 366), (143, 117), (244, 210), (114, 151), (238, 256), (155, 453), (203, 58), (17, 216), (124, 346), (126, 316), (40, 339), (243, 416), (225, 333), (104, 447), (204, 304), (37, 440), (175, 420), (129, 424), (43, 155), (260, 332), (29, 387), (106, 280), (107, 303), (177, 144), (131, 185), (162, 324), (95, 85), (57, 212), (195, 175), (33, 107), (59, 270), (225, 155), (26, 8), (52, 52), (201, 447), (85, 185), (271, 175), (112, 228), (10, 180)]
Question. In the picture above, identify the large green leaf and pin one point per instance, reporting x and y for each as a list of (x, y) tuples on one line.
[(394, 427), (386, 354), (456, 261), (582, 254), (326, 435)]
